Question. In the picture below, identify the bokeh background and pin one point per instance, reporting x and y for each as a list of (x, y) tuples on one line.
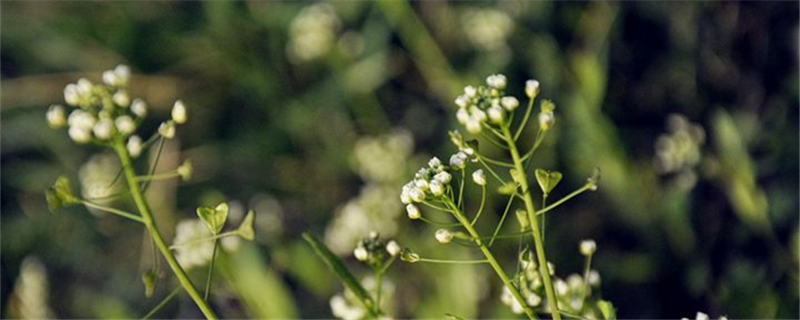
[(315, 114)]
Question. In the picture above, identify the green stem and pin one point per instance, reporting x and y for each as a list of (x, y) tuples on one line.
[(483, 203), (160, 176), (378, 285), (150, 223), (218, 236), (162, 303), (211, 270), (564, 199), (453, 261), (118, 212), (524, 120), (492, 261), (535, 232)]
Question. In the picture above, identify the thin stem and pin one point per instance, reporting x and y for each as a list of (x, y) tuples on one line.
[(491, 171), (437, 223), (435, 206), (461, 187), (502, 219), (378, 275), (493, 262), (483, 203), (453, 261), (586, 287), (214, 237), (160, 176), (535, 232), (147, 216), (529, 154), (494, 162), (493, 140), (155, 162), (211, 270), (544, 233), (524, 120), (163, 302), (564, 199), (115, 211)]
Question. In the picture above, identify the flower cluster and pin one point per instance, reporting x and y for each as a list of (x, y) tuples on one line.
[(487, 29), (430, 181), (312, 33), (573, 293), (372, 250), (488, 105), (104, 112), (679, 151)]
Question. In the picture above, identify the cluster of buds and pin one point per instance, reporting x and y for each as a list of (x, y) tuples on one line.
[(104, 112), (485, 103), (430, 181), (573, 293), (372, 250)]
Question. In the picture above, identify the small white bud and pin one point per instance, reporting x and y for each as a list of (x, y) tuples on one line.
[(458, 160), (437, 188), (417, 195), (110, 78), (139, 108), (588, 247), (71, 95), (121, 98), (462, 116), (80, 135), (546, 120), (701, 316), (444, 236), (405, 196), (185, 170), (479, 177), (473, 125), (510, 103), (413, 211), (179, 112), (462, 101), (84, 86), (531, 88), (479, 114), (167, 129), (468, 151), (444, 177), (497, 81), (422, 184), (103, 129), (534, 299), (470, 91), (123, 74), (81, 119), (594, 278), (125, 125), (56, 116), (393, 248), (435, 162), (134, 146), (496, 114), (361, 253), (561, 287)]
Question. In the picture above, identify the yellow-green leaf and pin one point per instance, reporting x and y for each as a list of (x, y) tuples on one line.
[(246, 229), (214, 218)]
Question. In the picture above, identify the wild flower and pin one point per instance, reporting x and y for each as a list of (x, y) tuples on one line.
[(679, 151), (312, 33), (487, 29), (29, 299)]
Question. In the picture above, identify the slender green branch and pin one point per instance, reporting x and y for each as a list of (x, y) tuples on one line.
[(494, 162), (437, 223), (162, 303), (160, 176), (194, 241), (587, 289), (153, 166), (378, 286), (435, 206), (115, 211), (564, 199), (483, 203), (461, 187), (147, 216), (524, 120), (493, 140), (502, 220), (453, 261), (491, 171), (211, 270)]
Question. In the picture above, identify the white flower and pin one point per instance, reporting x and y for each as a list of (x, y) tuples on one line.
[(134, 146), (479, 177), (79, 135), (125, 125), (190, 248), (462, 116), (121, 98), (534, 299), (84, 86), (179, 112), (473, 125), (167, 129), (444, 177), (103, 129), (470, 91), (458, 160), (416, 194), (444, 236), (594, 278), (435, 162), (477, 113), (437, 188), (422, 184), (81, 119), (185, 170), (531, 88), (497, 81), (495, 114), (462, 101), (343, 310), (588, 247), (546, 120), (56, 116), (561, 287), (701, 316), (413, 211), (361, 253), (393, 248), (139, 108), (71, 95), (123, 74), (510, 103)]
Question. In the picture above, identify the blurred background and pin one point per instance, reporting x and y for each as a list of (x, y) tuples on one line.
[(315, 114)]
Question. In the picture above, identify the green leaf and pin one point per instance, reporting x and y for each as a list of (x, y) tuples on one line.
[(522, 217), (149, 279), (547, 180), (607, 309), (60, 194), (246, 228), (214, 218), (341, 271)]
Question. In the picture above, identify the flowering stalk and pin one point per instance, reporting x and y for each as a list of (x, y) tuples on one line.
[(149, 222)]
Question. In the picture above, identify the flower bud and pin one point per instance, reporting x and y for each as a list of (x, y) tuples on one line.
[(470, 91), (437, 188), (417, 195), (84, 87), (479, 177), (435, 162), (393, 248), (103, 129), (361, 253), (179, 112), (497, 81), (121, 98), (510, 103), (531, 88), (444, 236), (462, 101), (408, 256), (80, 135), (588, 247), (125, 125), (462, 116), (185, 170), (473, 125), (139, 108), (134, 146), (458, 160), (546, 120), (413, 211), (167, 129), (495, 114), (56, 116), (444, 177), (71, 95)]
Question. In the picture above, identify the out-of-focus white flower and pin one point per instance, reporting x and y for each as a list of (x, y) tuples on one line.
[(118, 77), (546, 120), (531, 88), (444, 236), (393, 248), (496, 114), (103, 129), (139, 108), (121, 98), (97, 179), (71, 95), (343, 310), (84, 87), (510, 103), (179, 114), (81, 119), (470, 91), (413, 211), (80, 135), (192, 247), (167, 129), (29, 300), (312, 33), (56, 116), (382, 158), (561, 287), (588, 247), (479, 177), (361, 253), (487, 29), (125, 124), (134, 146), (497, 81)]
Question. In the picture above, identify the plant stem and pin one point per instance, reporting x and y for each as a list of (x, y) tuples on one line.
[(211, 270), (535, 232), (149, 222), (162, 303), (492, 261), (113, 210)]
